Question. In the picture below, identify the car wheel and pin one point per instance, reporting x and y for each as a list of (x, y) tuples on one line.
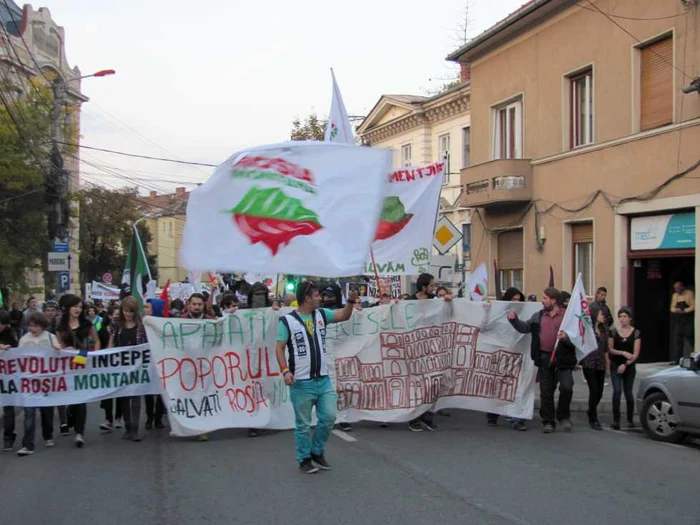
[(659, 419)]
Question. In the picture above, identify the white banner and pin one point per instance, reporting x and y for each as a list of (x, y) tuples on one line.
[(287, 209), (392, 363), (404, 238), (577, 323), (103, 292), (40, 377)]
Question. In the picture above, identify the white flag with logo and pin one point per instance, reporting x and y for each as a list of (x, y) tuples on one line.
[(304, 208), (577, 323), (338, 128), (404, 236), (478, 283)]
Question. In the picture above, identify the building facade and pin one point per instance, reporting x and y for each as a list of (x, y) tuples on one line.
[(421, 130), (584, 152), (32, 46), (166, 221)]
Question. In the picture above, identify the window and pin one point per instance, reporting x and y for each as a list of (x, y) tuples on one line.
[(406, 155), (444, 154), (508, 131), (466, 147), (510, 259), (466, 240), (582, 240), (581, 109), (656, 89)]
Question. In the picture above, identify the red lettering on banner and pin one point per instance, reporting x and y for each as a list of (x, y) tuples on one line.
[(44, 386), (411, 174)]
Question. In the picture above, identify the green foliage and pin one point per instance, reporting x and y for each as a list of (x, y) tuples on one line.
[(24, 154), (311, 129)]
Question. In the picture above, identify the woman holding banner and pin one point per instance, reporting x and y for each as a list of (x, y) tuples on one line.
[(75, 331)]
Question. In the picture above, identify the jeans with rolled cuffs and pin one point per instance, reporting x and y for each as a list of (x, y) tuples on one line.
[(305, 395)]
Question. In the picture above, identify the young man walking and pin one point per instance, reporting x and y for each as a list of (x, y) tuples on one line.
[(302, 334), (544, 326)]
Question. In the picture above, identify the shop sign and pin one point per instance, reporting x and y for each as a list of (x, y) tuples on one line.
[(663, 232)]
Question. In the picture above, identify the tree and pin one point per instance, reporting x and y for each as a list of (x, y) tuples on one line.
[(106, 229), (24, 156), (311, 129)]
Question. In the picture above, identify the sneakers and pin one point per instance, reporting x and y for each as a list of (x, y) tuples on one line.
[(428, 425), (548, 428), (320, 462), (50, 443), (106, 427), (65, 431), (128, 435), (415, 426), (595, 425), (8, 445), (566, 425), (345, 427), (203, 437), (24, 451), (118, 423), (307, 467), (519, 427), (79, 441)]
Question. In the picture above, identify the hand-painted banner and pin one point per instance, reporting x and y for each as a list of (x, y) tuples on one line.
[(40, 377), (392, 363), (267, 209), (404, 238)]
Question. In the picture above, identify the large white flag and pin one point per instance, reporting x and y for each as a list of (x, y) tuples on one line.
[(305, 208), (404, 237), (478, 283), (338, 128), (577, 323)]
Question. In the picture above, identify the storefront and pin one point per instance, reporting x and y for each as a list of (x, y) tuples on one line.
[(661, 251)]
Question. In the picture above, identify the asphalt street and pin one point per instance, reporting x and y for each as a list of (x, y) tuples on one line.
[(464, 473)]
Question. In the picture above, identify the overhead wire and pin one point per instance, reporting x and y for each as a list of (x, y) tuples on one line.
[(137, 156), (632, 18)]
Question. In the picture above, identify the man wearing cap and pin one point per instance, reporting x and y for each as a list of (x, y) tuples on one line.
[(544, 326), (302, 335)]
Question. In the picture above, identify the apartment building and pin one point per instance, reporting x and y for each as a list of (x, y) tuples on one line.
[(586, 120)]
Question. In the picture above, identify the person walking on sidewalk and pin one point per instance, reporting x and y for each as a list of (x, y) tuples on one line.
[(129, 331), (625, 344), (37, 337), (302, 334), (544, 327), (595, 366), (75, 331)]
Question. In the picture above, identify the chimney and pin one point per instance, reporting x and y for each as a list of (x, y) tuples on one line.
[(180, 192), (153, 194), (465, 72)]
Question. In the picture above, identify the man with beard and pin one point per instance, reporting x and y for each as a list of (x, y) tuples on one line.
[(544, 326), (195, 308)]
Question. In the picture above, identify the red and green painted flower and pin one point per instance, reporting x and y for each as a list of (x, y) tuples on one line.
[(393, 218), (273, 218)]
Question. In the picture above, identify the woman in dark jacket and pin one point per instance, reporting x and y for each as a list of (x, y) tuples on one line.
[(594, 367)]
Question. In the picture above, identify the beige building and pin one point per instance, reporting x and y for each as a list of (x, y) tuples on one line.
[(166, 223), (420, 130), (584, 157), (32, 45)]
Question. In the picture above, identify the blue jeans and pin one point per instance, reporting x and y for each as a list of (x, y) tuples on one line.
[(623, 383), (305, 395), (30, 425)]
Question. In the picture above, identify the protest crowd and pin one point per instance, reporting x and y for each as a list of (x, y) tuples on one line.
[(90, 326)]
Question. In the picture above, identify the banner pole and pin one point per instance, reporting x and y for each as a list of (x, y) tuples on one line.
[(374, 265)]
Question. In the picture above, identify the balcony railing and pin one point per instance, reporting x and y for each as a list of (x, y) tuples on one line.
[(497, 182)]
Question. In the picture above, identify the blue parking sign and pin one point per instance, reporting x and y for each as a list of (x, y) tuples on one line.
[(63, 281)]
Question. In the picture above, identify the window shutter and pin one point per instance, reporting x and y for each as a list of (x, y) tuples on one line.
[(510, 250), (657, 84), (582, 232)]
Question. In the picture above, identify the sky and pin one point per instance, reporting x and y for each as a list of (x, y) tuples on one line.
[(200, 81)]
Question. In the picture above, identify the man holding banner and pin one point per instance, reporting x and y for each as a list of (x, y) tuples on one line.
[(303, 334)]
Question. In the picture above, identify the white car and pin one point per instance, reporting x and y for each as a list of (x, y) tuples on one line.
[(670, 402)]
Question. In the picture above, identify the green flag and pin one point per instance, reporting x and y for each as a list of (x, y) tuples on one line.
[(136, 273)]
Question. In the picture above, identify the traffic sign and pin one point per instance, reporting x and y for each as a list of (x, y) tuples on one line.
[(107, 278), (446, 235), (59, 262), (63, 281), (61, 247)]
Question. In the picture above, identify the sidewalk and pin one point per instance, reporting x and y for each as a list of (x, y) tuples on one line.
[(580, 401)]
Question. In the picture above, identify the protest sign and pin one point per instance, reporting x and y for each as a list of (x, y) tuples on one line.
[(391, 363), (404, 237), (103, 292), (286, 208), (40, 377)]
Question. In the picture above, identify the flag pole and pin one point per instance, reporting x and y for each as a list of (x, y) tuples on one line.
[(374, 265), (138, 238)]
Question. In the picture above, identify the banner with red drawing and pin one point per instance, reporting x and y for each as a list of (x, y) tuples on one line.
[(391, 364), (404, 238)]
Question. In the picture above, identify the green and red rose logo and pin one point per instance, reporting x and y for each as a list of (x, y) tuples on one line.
[(393, 218), (273, 218)]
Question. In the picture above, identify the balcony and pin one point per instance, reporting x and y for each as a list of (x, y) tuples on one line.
[(497, 182)]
